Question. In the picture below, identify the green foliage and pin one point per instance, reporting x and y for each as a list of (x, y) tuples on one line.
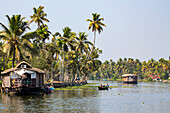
[(144, 70), (150, 79), (169, 78), (69, 55)]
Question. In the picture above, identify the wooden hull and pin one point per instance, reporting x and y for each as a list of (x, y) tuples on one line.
[(130, 82), (103, 88), (48, 90), (22, 90)]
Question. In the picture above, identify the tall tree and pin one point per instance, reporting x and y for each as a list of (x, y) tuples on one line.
[(67, 40), (96, 25), (39, 16), (82, 44), (12, 36)]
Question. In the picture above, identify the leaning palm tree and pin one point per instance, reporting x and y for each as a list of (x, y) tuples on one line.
[(39, 16), (96, 25), (12, 36)]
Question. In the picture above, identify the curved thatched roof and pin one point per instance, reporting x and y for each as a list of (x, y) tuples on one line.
[(18, 67), (23, 62), (8, 70), (128, 75)]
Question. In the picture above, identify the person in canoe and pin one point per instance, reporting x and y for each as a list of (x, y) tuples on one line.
[(107, 85), (101, 85)]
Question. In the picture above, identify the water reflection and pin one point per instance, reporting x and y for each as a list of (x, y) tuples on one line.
[(142, 97), (59, 101)]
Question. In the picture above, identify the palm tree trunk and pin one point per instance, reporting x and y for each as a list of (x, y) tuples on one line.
[(63, 64), (52, 76), (94, 40), (4, 62), (73, 75), (13, 60), (66, 73), (60, 78), (38, 24)]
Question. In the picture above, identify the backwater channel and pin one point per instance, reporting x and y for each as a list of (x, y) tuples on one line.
[(144, 97)]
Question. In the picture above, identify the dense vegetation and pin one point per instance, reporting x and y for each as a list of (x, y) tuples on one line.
[(65, 57), (145, 70)]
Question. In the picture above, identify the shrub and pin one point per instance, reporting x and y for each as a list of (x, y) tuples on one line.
[(150, 79)]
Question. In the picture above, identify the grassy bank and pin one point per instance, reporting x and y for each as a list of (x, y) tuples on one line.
[(88, 86)]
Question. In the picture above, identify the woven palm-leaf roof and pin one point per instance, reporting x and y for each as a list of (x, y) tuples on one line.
[(128, 75), (18, 67)]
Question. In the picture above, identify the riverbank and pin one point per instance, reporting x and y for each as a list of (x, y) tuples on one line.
[(87, 98), (142, 80), (59, 84), (88, 86), (166, 81)]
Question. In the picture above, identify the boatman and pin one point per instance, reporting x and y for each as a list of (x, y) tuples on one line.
[(101, 85), (107, 85)]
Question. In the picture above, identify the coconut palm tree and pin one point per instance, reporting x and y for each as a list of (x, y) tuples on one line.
[(87, 65), (82, 46), (39, 16), (12, 36), (96, 25), (82, 43), (67, 40)]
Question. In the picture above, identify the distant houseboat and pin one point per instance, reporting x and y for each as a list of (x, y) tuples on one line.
[(23, 78), (130, 78)]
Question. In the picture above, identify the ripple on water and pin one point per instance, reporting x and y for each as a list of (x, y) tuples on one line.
[(142, 98)]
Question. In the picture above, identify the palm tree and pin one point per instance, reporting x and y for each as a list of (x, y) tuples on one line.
[(81, 47), (90, 65), (82, 44), (12, 36), (52, 53), (39, 16), (96, 25), (67, 43), (43, 33)]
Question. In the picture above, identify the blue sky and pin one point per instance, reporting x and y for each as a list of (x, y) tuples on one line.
[(138, 29)]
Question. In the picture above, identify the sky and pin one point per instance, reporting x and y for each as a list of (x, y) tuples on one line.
[(138, 29)]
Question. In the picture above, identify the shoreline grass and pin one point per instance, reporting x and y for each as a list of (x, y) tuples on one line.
[(89, 85)]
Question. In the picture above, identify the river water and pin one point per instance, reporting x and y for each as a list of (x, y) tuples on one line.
[(144, 97)]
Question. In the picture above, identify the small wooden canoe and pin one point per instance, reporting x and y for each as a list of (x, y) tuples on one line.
[(103, 88), (49, 90)]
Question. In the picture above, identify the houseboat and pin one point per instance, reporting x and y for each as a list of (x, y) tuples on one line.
[(22, 79), (130, 78)]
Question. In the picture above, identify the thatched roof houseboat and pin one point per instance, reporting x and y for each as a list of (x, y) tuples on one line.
[(23, 77), (130, 78)]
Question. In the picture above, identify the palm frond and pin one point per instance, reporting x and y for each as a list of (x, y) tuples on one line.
[(44, 19), (30, 35), (6, 29), (57, 34), (27, 43), (90, 25), (35, 10), (88, 20), (100, 23)]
